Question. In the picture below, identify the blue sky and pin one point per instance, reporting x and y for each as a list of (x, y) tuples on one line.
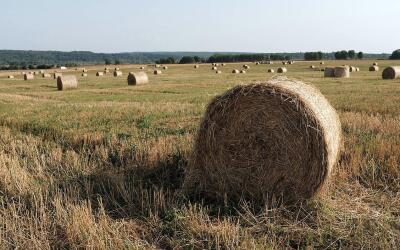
[(202, 25)]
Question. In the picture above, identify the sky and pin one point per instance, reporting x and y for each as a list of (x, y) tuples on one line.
[(200, 25)]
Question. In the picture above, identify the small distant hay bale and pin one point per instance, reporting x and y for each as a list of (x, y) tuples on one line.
[(223, 64), (196, 66), (312, 67), (255, 142), (271, 70), (117, 73), (218, 72), (10, 77), (29, 77), (116, 69), (243, 71), (342, 72), (157, 72), (137, 78), (329, 72), (257, 63), (375, 64), (46, 75), (284, 63), (246, 66), (322, 63), (142, 68), (235, 71), (99, 74), (35, 73), (282, 70), (67, 82), (165, 67), (392, 72), (41, 71), (214, 68), (291, 62), (269, 62), (56, 75), (352, 69), (84, 75), (374, 68), (357, 69), (84, 71)]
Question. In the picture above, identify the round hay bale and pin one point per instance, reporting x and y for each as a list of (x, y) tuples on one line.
[(357, 69), (67, 82), (218, 72), (46, 75), (291, 62), (243, 71), (235, 71), (157, 72), (275, 140), (142, 68), (284, 63), (56, 75), (41, 71), (322, 63), (352, 69), (342, 72), (214, 68), (271, 70), (196, 66), (137, 78), (392, 72), (270, 62), (282, 70), (29, 77), (329, 72), (116, 69), (223, 64), (84, 75), (99, 73), (84, 71), (312, 67), (257, 63), (117, 73), (375, 64), (10, 77), (165, 67), (374, 68), (246, 66)]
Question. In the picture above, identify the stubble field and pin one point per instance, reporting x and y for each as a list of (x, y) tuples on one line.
[(101, 167)]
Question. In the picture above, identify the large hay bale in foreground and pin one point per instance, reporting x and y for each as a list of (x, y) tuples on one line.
[(329, 72), (280, 139), (137, 78), (29, 77), (117, 73), (282, 70), (374, 68), (342, 72), (67, 82), (391, 72)]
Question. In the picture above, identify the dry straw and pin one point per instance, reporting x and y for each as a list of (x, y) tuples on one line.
[(342, 72), (56, 75), (329, 72), (279, 139), (137, 78), (282, 70), (67, 82), (374, 68), (29, 77), (391, 72), (117, 73)]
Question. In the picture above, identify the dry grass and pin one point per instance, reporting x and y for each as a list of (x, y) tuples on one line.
[(101, 167)]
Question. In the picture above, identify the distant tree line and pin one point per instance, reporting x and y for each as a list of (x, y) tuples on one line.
[(345, 55), (313, 56), (246, 57)]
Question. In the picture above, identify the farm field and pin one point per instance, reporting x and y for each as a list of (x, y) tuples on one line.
[(102, 166)]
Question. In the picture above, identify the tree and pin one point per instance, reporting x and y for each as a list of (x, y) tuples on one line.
[(187, 59), (107, 61), (341, 55), (351, 54), (117, 62), (395, 55), (313, 56), (360, 55)]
